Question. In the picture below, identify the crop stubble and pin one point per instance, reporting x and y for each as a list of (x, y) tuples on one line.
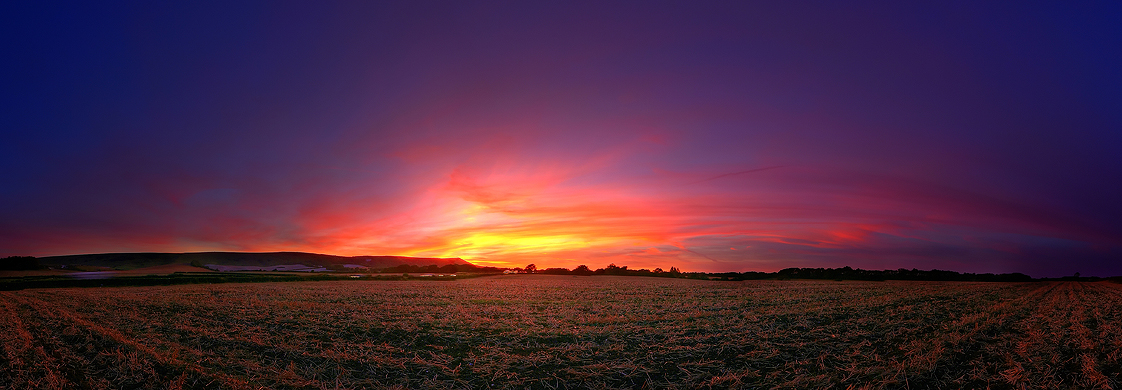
[(565, 332)]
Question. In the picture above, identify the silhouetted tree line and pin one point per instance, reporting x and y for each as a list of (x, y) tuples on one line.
[(1077, 278), (19, 263), (844, 273), (447, 269), (613, 269), (848, 273)]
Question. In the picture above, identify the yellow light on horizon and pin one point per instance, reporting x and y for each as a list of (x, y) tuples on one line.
[(522, 243)]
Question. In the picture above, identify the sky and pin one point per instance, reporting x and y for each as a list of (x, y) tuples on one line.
[(710, 136)]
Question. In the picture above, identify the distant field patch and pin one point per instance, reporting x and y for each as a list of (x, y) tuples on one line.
[(528, 331), (275, 268)]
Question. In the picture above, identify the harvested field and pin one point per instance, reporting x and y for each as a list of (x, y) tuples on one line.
[(530, 331)]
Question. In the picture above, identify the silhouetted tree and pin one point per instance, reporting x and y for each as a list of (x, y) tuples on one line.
[(582, 270), (19, 263), (531, 268), (614, 269)]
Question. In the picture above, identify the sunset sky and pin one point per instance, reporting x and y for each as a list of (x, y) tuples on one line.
[(709, 136)]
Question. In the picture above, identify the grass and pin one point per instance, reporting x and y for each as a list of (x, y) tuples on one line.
[(565, 332)]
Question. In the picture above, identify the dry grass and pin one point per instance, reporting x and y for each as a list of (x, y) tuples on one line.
[(565, 332)]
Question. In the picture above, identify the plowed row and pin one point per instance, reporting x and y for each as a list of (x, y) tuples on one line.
[(529, 331)]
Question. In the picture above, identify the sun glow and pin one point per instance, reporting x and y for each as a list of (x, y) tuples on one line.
[(522, 244), (511, 236)]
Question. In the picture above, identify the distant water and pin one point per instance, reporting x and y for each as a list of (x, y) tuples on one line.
[(93, 275)]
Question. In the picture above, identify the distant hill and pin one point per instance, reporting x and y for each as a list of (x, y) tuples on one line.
[(125, 261)]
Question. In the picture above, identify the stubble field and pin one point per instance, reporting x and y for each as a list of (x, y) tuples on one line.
[(535, 331)]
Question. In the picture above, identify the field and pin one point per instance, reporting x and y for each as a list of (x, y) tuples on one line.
[(531, 331)]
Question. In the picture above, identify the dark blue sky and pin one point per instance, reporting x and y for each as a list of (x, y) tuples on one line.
[(964, 136)]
